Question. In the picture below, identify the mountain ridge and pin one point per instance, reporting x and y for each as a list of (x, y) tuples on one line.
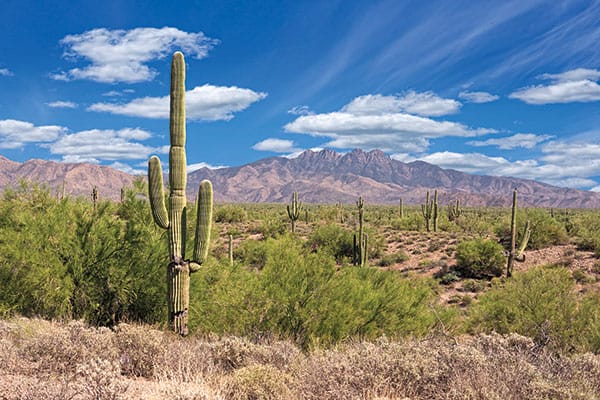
[(319, 177)]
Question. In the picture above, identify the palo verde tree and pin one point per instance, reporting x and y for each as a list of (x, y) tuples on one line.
[(174, 220)]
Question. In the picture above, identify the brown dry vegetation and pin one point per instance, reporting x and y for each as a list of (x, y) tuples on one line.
[(45, 360)]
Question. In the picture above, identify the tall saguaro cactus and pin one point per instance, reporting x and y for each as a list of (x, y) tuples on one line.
[(293, 210), (514, 253), (360, 242), (430, 211), (173, 219)]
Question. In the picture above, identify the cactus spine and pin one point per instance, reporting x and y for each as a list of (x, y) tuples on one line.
[(174, 220), (293, 210), (515, 254), (359, 252)]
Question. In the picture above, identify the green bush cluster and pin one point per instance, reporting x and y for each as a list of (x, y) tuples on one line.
[(299, 294), (61, 259), (542, 304), (479, 258)]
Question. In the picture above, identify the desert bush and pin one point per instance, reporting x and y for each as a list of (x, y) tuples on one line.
[(479, 258), (140, 349), (258, 382), (539, 303), (100, 379), (62, 259), (230, 213), (332, 239), (391, 259), (272, 226)]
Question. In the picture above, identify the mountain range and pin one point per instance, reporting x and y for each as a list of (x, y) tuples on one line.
[(319, 177)]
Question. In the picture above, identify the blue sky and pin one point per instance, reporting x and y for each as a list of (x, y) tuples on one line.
[(489, 87)]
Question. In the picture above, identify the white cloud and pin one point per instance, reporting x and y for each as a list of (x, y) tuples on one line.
[(478, 97), (127, 168), (578, 85), (562, 164), (524, 140), (62, 104), (197, 166), (426, 104), (276, 146), (5, 72), (121, 55), (391, 132), (96, 144), (205, 102), (300, 110), (578, 74), (15, 134), (595, 189)]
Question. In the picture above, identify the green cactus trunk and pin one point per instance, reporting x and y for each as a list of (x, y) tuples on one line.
[(401, 208), (426, 211), (359, 246), (174, 220), (435, 211), (231, 250), (293, 210), (514, 253)]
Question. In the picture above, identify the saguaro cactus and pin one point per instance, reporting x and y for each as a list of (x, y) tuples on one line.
[(293, 210), (401, 208), (359, 247), (454, 211), (514, 253), (430, 211), (94, 196), (174, 220), (231, 250)]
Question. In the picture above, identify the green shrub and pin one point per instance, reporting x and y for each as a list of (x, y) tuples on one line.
[(331, 239), (479, 258), (230, 213), (539, 303), (391, 259)]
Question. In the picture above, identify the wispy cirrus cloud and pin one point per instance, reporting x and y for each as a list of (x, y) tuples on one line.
[(205, 102), (276, 146), (62, 104), (478, 97), (381, 122), (523, 140), (300, 110), (6, 72), (122, 55), (578, 85), (16, 134)]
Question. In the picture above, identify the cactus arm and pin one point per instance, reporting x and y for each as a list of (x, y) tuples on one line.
[(156, 193), (203, 223), (520, 254), (513, 236)]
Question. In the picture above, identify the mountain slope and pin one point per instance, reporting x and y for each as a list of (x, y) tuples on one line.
[(318, 177)]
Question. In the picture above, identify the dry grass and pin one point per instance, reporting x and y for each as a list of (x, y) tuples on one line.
[(44, 360)]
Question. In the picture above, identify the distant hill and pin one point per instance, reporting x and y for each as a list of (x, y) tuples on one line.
[(79, 178), (318, 177)]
